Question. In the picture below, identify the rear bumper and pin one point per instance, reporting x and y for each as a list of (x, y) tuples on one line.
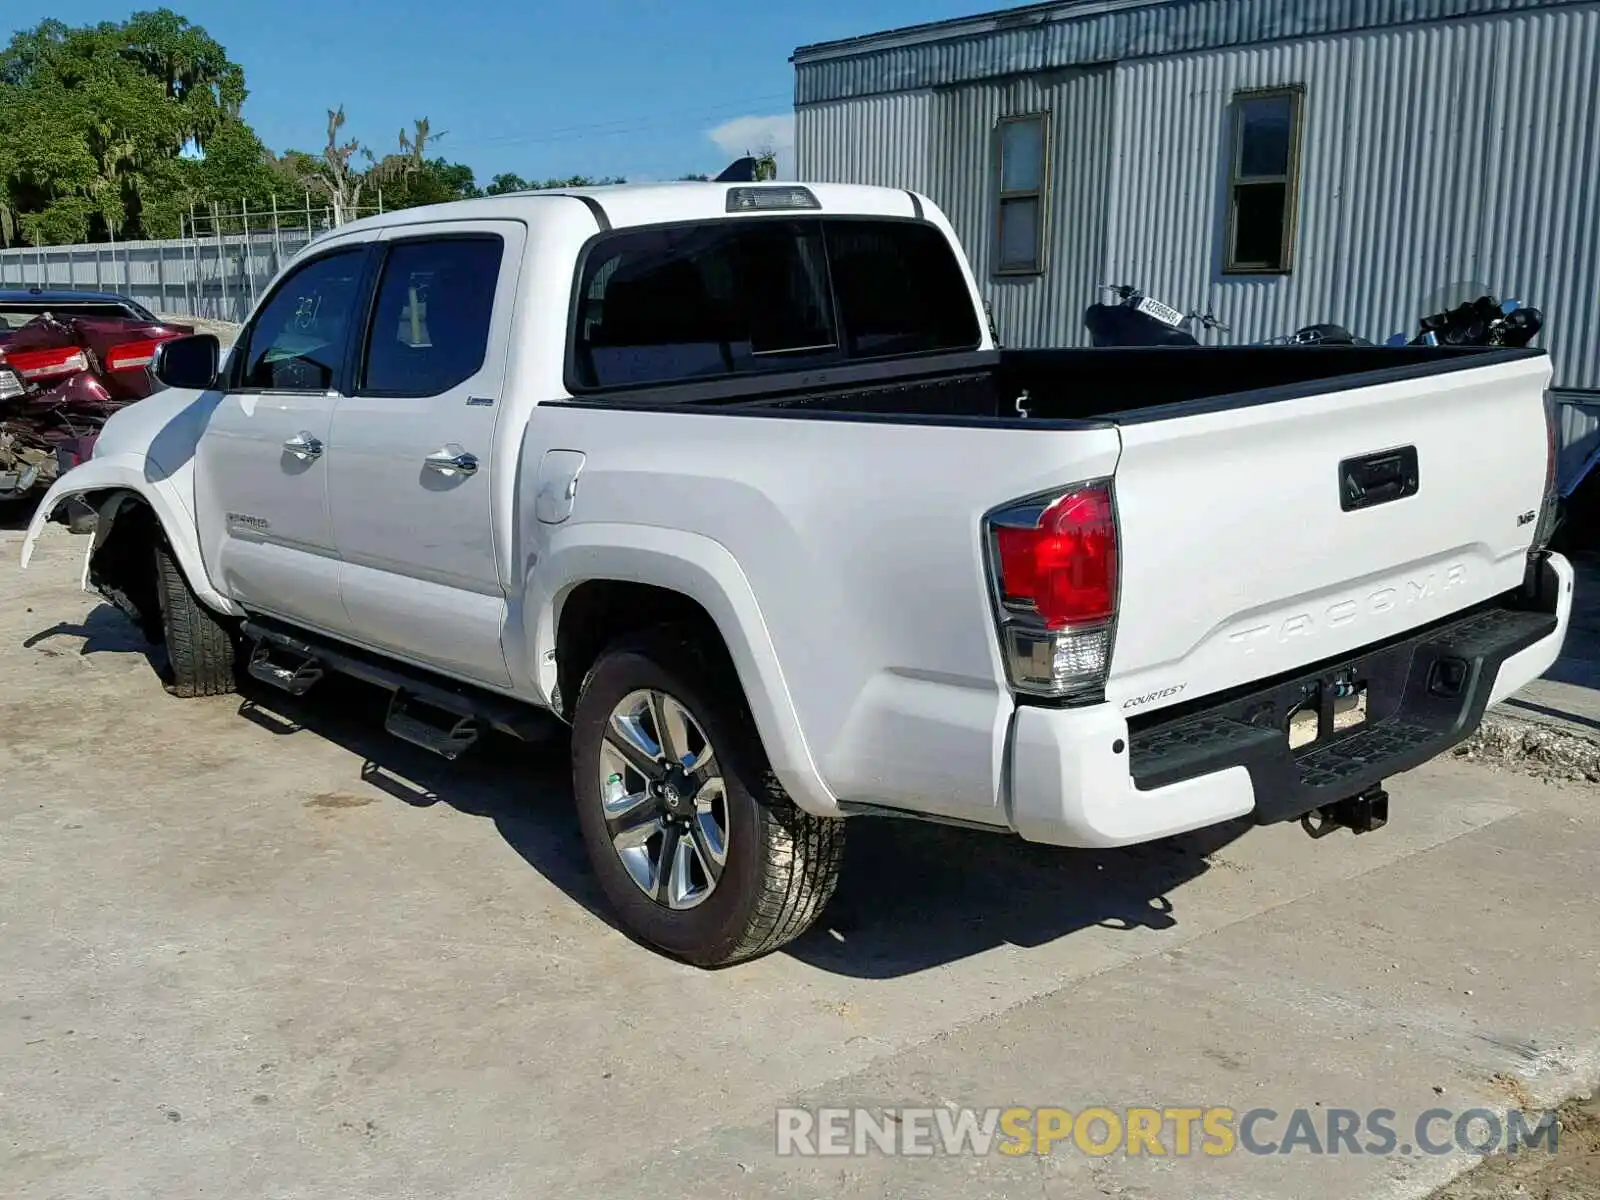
[(1086, 777)]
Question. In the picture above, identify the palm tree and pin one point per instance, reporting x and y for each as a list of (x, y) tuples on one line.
[(333, 175)]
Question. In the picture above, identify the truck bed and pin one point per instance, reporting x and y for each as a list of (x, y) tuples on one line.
[(1074, 386), (1276, 506)]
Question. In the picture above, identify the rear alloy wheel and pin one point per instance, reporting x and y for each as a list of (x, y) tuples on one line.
[(665, 804), (698, 848)]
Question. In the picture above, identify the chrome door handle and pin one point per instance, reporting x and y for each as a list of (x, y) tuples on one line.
[(304, 447), (452, 460)]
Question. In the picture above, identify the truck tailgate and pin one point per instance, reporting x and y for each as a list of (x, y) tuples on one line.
[(1266, 534)]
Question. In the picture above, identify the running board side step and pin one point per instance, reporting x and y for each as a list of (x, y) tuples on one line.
[(427, 710), (405, 723), (296, 679)]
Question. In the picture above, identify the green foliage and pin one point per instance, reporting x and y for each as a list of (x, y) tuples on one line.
[(502, 185), (238, 167), (194, 69), (434, 182), (93, 119), (121, 130), (62, 222), (577, 181)]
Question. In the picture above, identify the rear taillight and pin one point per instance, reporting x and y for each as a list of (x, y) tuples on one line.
[(36, 366), (132, 356), (1054, 565)]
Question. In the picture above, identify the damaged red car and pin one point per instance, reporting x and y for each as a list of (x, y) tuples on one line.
[(68, 360)]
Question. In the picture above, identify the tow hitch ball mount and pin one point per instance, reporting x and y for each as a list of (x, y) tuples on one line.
[(1359, 814)]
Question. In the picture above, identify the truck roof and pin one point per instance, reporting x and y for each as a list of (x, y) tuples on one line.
[(633, 204)]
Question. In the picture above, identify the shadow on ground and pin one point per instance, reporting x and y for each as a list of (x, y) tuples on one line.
[(913, 896), (104, 631), (1520, 707)]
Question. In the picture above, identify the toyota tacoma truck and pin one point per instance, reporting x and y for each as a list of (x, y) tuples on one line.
[(733, 482)]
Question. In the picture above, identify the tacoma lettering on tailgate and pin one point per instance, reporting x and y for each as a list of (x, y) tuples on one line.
[(1348, 612)]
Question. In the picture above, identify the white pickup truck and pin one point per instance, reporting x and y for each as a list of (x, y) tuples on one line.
[(734, 482)]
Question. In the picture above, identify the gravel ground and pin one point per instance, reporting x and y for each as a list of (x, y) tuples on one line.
[(226, 331), (1538, 750), (1551, 729), (251, 946), (1572, 1173)]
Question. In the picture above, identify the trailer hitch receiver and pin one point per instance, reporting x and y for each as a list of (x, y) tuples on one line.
[(1359, 814)]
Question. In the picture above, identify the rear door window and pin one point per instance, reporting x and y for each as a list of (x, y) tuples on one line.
[(430, 326), (680, 303)]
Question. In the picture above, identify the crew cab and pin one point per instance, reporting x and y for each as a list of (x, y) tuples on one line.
[(733, 481)]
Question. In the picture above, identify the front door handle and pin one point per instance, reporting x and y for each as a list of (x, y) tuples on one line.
[(304, 446), (452, 460)]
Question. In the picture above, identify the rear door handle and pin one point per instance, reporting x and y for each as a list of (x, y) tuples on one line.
[(451, 460), (304, 446)]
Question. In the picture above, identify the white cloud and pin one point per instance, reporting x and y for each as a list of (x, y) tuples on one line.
[(752, 134)]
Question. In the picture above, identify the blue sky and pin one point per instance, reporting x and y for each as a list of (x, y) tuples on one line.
[(544, 88)]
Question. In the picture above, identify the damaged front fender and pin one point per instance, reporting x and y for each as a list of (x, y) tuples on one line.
[(116, 485)]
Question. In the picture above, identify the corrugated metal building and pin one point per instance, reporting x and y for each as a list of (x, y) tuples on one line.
[(1278, 162)]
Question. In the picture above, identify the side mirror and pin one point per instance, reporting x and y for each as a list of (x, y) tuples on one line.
[(188, 362)]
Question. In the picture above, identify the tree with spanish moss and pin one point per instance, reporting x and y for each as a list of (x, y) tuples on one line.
[(94, 121)]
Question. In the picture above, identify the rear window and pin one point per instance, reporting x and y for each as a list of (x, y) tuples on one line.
[(672, 304), (16, 316)]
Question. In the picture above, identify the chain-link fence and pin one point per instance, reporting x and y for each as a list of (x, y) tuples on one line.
[(226, 256)]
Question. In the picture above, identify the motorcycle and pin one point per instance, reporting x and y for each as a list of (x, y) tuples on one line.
[(1467, 314), (1460, 315), (1140, 320), (61, 378), (1137, 319)]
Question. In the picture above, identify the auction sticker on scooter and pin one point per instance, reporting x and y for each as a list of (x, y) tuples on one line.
[(1160, 311)]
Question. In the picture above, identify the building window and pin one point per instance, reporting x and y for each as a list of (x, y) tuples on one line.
[(1264, 182), (1023, 164)]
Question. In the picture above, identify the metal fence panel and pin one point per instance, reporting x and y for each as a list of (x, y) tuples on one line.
[(215, 277)]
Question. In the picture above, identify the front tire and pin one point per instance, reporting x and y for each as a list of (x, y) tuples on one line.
[(81, 519), (698, 848), (201, 648)]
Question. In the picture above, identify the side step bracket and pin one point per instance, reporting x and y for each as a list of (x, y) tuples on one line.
[(406, 721), (425, 709), (297, 678)]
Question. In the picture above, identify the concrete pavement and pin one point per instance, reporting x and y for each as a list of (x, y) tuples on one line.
[(253, 947)]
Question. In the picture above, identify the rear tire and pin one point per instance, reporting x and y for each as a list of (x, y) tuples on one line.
[(201, 648), (779, 866)]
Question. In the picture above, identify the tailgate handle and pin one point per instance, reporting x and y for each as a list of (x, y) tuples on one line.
[(1378, 478)]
